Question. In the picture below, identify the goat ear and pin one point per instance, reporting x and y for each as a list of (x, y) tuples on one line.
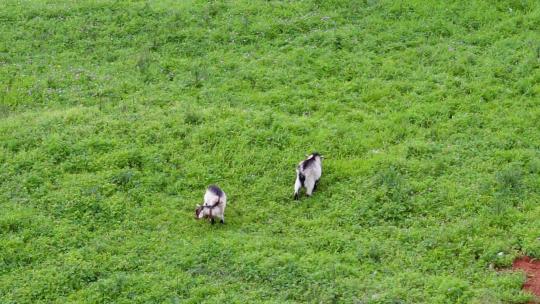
[(322, 157), (197, 210)]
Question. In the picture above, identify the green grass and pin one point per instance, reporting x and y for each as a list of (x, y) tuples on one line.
[(115, 116)]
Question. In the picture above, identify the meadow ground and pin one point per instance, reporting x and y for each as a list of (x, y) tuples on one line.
[(115, 116)]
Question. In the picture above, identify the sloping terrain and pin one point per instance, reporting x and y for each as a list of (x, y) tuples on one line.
[(115, 116)]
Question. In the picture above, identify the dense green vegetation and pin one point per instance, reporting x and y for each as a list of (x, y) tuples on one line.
[(115, 116)]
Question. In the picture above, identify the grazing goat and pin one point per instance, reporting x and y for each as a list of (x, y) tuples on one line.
[(308, 174), (214, 204)]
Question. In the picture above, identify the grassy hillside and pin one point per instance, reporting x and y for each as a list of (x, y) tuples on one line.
[(115, 116)]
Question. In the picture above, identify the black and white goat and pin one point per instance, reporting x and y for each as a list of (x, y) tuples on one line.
[(214, 204), (308, 174)]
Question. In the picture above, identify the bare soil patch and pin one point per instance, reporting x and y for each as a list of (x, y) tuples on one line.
[(532, 268)]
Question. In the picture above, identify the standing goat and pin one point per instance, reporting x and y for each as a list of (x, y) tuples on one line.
[(308, 174), (214, 204)]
